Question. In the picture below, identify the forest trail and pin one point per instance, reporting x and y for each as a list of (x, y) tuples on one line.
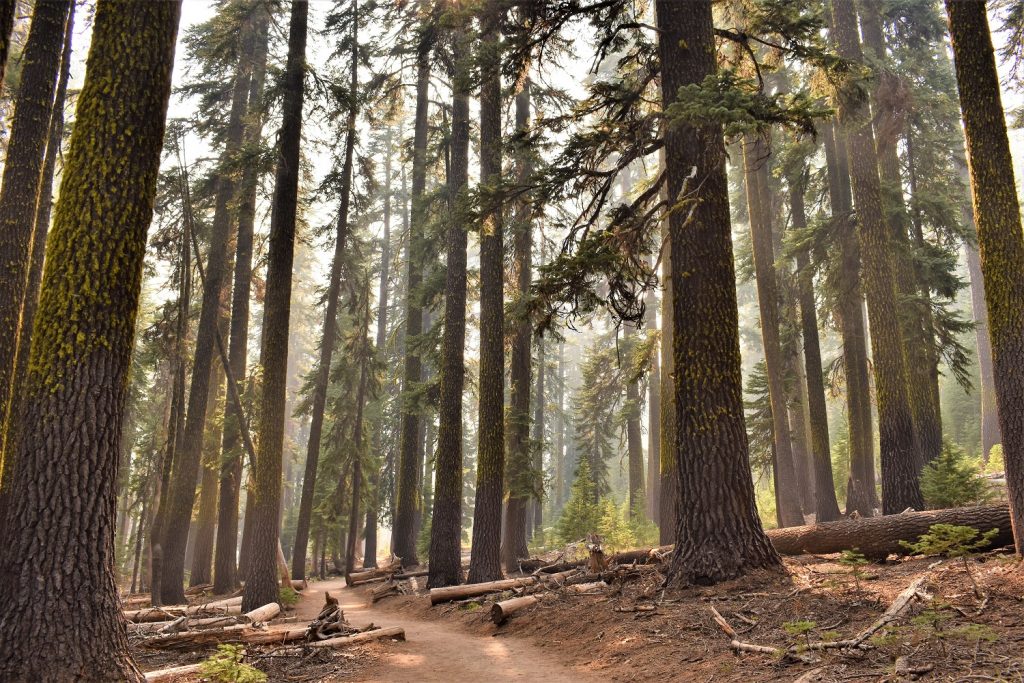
[(436, 651)]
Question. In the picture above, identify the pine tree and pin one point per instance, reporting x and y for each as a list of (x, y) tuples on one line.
[(718, 534), (446, 519), (1000, 236), (81, 351), (264, 508)]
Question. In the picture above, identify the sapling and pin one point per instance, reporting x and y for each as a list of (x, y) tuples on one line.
[(800, 628), (226, 666), (854, 560), (954, 542)]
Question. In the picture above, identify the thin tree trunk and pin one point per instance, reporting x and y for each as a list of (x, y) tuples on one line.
[(558, 486), (718, 533), (519, 466), (7, 8), (654, 419), (206, 519), (261, 577), (225, 574), (69, 438), (669, 496), (860, 488), (787, 493), (538, 441), (826, 506), (490, 469), (1000, 238), (330, 333), (357, 437), (19, 191)]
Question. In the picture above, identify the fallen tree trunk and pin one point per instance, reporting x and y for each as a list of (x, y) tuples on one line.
[(472, 590), (227, 634), (500, 611), (356, 578), (876, 537), (228, 606), (172, 673), (395, 632)]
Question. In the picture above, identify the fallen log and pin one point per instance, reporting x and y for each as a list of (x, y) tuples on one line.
[(591, 587), (198, 639), (227, 606), (170, 674), (379, 574), (876, 537), (500, 611), (472, 590), (299, 585), (559, 578), (411, 575), (395, 632)]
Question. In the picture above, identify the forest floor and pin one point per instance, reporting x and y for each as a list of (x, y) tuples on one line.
[(947, 634), (634, 629)]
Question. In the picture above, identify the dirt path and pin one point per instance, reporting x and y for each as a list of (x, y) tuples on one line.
[(435, 651)]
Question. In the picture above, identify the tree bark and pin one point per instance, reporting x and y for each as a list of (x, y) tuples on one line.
[(407, 479), (19, 191), (718, 533), (330, 334), (357, 437), (787, 491), (264, 509), (826, 506), (860, 488), (877, 537), (519, 475), (539, 403), (182, 493), (1000, 238), (69, 438), (669, 488), (654, 421), (206, 519), (225, 574), (485, 562), (446, 524), (900, 456), (7, 8)]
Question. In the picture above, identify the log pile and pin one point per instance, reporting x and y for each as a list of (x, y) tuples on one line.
[(376, 574), (218, 607), (183, 634)]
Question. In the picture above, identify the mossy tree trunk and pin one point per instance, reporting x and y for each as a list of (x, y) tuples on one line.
[(264, 507), (654, 420), (446, 523), (7, 8), (19, 191), (897, 441), (669, 488), (718, 533), (69, 437), (1000, 237), (485, 563)]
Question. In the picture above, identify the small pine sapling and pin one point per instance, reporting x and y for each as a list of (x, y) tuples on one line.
[(800, 628), (953, 542), (853, 560), (226, 666)]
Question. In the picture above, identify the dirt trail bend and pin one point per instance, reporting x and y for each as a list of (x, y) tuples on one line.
[(436, 651)]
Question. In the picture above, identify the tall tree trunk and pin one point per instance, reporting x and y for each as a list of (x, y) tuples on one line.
[(634, 448), (860, 488), (1000, 238), (538, 441), (182, 492), (330, 334), (990, 435), (446, 523), (407, 477), (558, 486), (372, 509), (718, 533), (519, 466), (654, 420), (264, 507), (19, 191), (68, 442), (900, 457), (485, 563), (42, 217), (826, 507), (787, 493), (7, 8), (206, 519), (225, 574), (357, 437), (915, 308), (669, 496)]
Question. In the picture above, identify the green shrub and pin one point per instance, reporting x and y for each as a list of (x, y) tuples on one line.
[(645, 532), (288, 596), (953, 542), (613, 527), (951, 480), (226, 667), (995, 464)]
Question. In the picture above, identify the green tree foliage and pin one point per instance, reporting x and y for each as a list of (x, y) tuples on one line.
[(952, 480), (226, 666), (581, 513)]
